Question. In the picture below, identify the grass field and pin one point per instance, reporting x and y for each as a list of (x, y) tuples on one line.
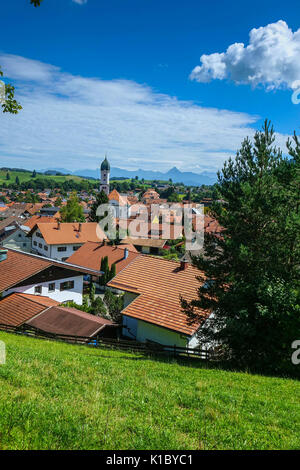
[(59, 396), (26, 176)]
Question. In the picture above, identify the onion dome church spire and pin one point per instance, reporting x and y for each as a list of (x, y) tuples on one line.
[(105, 172)]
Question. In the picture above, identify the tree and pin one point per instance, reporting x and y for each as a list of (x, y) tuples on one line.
[(8, 176), (252, 271), (72, 211), (33, 174), (101, 198), (9, 104), (17, 180), (114, 304)]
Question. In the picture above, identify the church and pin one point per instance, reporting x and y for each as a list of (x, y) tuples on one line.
[(120, 203), (105, 172)]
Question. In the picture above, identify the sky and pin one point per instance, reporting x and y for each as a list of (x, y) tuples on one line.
[(152, 84)]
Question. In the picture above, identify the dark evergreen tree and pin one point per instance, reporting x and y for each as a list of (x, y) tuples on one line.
[(253, 269)]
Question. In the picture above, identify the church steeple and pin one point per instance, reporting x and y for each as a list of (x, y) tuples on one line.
[(105, 172)]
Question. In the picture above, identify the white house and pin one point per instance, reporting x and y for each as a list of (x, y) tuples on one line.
[(60, 240), (31, 274)]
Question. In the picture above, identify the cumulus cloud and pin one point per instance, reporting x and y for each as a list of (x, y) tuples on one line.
[(270, 59), (72, 121)]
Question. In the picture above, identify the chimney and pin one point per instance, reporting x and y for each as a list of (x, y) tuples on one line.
[(126, 253), (183, 264), (79, 227), (3, 255), (58, 225)]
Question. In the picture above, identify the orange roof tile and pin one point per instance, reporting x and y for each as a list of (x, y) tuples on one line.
[(69, 233), (17, 308), (32, 221), (114, 195), (90, 255), (20, 266), (160, 284)]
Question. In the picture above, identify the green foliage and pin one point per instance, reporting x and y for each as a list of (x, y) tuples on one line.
[(114, 304), (101, 198), (72, 211), (10, 105), (255, 266), (33, 174), (8, 175), (59, 396)]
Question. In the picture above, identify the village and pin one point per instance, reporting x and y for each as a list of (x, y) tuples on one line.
[(50, 268)]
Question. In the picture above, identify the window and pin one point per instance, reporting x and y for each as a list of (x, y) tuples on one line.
[(38, 289), (19, 235), (45, 248), (67, 285), (51, 287), (75, 248), (40, 245), (61, 248), (35, 243)]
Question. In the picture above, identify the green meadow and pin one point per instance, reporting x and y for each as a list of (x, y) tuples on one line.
[(60, 396)]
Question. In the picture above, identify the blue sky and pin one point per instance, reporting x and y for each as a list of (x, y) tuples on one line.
[(116, 77)]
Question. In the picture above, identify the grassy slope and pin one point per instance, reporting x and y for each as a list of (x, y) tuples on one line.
[(25, 176), (58, 396)]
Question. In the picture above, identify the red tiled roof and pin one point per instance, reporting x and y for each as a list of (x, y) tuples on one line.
[(32, 221), (160, 284), (20, 266), (69, 233), (68, 321), (17, 308), (90, 255), (114, 195)]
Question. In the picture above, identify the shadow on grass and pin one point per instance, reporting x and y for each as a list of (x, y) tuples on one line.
[(197, 363)]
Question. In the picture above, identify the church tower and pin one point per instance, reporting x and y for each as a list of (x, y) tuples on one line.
[(105, 171)]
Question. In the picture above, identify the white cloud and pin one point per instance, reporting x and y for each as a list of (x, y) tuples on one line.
[(71, 121), (80, 2), (271, 59)]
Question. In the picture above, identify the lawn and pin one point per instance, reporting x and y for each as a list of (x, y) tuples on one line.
[(60, 396)]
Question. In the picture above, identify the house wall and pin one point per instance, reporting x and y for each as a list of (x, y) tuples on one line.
[(18, 241), (147, 331), (74, 294)]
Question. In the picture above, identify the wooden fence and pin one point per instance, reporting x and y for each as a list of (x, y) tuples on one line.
[(121, 344)]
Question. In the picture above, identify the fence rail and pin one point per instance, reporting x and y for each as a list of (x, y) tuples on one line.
[(100, 342)]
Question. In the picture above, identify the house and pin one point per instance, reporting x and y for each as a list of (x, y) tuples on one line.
[(13, 234), (35, 219), (63, 320), (120, 204), (146, 245), (152, 309), (60, 240), (17, 308), (45, 314), (31, 274)]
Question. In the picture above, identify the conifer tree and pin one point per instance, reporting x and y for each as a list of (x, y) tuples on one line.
[(252, 271)]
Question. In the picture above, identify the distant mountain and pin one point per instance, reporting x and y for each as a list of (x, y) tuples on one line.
[(186, 177)]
